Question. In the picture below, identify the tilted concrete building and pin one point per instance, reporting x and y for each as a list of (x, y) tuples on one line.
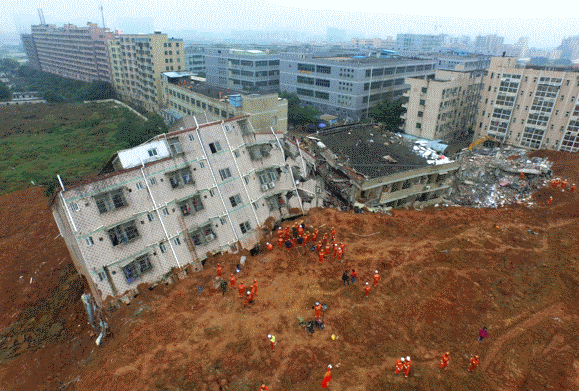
[(173, 201), (530, 106)]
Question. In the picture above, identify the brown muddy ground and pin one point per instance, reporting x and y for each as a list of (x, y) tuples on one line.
[(446, 272)]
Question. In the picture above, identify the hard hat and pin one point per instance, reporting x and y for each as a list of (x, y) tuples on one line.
[(366, 283), (402, 359), (448, 354), (269, 336), (248, 292), (217, 264), (375, 271), (317, 303), (407, 358), (475, 356), (330, 366), (266, 242)]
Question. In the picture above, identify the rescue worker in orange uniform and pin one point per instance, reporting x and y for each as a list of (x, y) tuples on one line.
[(343, 247), (306, 237), (318, 246), (219, 270), (327, 377), (272, 340), (367, 289), (333, 233), (327, 249), (335, 248), (250, 298), (232, 280), (269, 246), (317, 311), (563, 184), (316, 233), (241, 289), (573, 188), (325, 239), (550, 201), (376, 278), (399, 364), (473, 363), (406, 366), (280, 241), (254, 287), (321, 256), (279, 232), (444, 360), (263, 388), (300, 230), (522, 176), (340, 253)]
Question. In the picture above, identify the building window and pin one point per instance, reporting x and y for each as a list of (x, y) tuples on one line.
[(418, 125), (191, 137), (150, 216), (424, 89), (89, 242), (236, 153), (153, 181), (176, 242), (123, 233), (152, 152), (110, 201), (203, 235), (74, 206), (174, 146), (140, 265), (139, 185), (235, 200), (246, 179), (422, 102), (223, 220), (227, 128), (165, 212), (180, 178), (201, 165), (215, 147), (162, 247), (245, 227), (102, 276), (225, 173), (420, 114), (255, 206), (211, 192)]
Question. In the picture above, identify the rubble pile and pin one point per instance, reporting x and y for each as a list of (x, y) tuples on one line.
[(432, 157), (491, 177)]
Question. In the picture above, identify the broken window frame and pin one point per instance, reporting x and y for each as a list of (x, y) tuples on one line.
[(245, 227), (140, 265), (203, 235), (110, 200), (123, 233), (180, 178), (191, 205), (175, 147)]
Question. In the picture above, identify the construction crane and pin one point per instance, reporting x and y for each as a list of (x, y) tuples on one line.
[(482, 140)]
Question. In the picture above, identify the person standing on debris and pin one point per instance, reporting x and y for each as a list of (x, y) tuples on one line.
[(333, 233), (316, 233), (354, 275), (219, 270), (272, 341), (307, 237), (254, 287), (550, 201), (325, 239), (238, 268), (327, 377), (250, 298), (288, 244), (317, 311), (563, 185), (473, 363), (223, 286), (346, 278), (335, 248), (263, 388), (399, 365), (321, 256), (241, 289), (300, 240), (444, 360), (343, 247), (406, 366), (318, 246), (376, 278), (295, 230), (279, 232), (482, 334), (367, 289), (269, 246), (232, 280), (573, 188), (300, 230), (340, 253), (280, 241), (327, 249), (522, 176)]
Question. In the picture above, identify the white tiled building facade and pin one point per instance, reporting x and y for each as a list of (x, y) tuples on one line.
[(174, 201)]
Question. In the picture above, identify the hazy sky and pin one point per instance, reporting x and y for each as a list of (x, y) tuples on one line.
[(542, 22)]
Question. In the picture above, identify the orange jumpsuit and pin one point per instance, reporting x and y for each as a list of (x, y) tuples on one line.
[(325, 239), (327, 378), (218, 271), (241, 290), (279, 232), (444, 361), (327, 250), (232, 281), (522, 175), (254, 287), (340, 253), (343, 247), (270, 246), (306, 238), (318, 311), (376, 279), (573, 189), (280, 241), (563, 184), (318, 246), (300, 231), (264, 388), (250, 298), (367, 289), (550, 201), (333, 233), (315, 235), (473, 363), (321, 257), (398, 367), (335, 247), (406, 367)]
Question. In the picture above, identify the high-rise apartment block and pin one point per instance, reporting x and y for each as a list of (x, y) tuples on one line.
[(491, 45), (138, 63), (195, 59), (30, 50), (74, 52), (418, 43), (251, 70), (348, 86), (530, 106), (570, 48), (443, 106), (171, 202)]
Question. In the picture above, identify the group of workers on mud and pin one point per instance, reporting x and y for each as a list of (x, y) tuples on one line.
[(558, 183)]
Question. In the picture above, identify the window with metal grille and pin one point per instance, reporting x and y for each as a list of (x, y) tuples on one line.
[(224, 173), (123, 233), (235, 200), (110, 201), (245, 227), (215, 147), (174, 146)]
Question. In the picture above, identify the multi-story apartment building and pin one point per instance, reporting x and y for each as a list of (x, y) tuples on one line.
[(195, 59), (186, 97), (175, 200), (138, 63), (30, 50), (348, 87), (443, 106), (419, 43), (388, 43), (462, 61), (570, 48), (74, 52), (530, 106), (491, 45), (252, 70)]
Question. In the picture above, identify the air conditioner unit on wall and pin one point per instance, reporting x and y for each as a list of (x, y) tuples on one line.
[(272, 185), (264, 187)]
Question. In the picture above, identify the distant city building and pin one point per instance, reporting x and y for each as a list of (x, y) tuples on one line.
[(491, 45), (348, 86), (463, 61), (530, 106), (443, 106), (250, 70), (419, 43), (555, 54), (30, 49), (570, 48), (195, 59), (74, 52), (19, 98), (138, 62), (183, 96), (388, 43)]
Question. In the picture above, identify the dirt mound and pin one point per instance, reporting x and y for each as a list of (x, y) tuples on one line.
[(446, 272)]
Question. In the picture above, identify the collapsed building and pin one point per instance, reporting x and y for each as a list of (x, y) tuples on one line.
[(166, 205), (359, 164)]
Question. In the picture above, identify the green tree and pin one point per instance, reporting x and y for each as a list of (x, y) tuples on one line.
[(133, 131), (388, 113), (52, 97), (298, 114), (98, 90), (5, 93), (8, 65)]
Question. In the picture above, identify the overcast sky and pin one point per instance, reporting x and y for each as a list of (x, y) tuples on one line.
[(543, 22)]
